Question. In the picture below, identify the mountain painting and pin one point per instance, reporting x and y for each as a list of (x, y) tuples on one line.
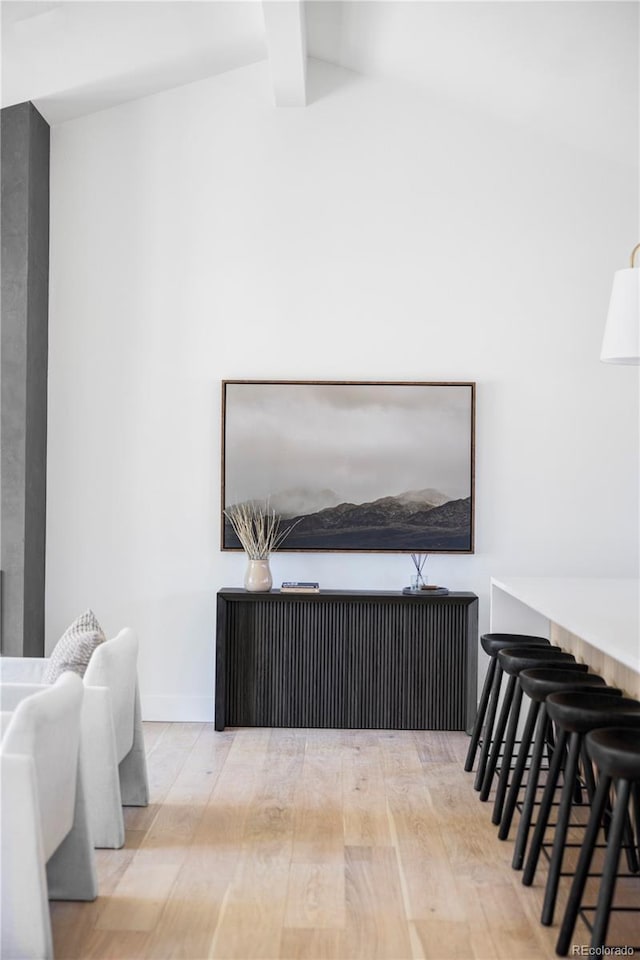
[(363, 467)]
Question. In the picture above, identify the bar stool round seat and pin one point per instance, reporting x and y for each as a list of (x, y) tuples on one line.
[(512, 660), (616, 753), (491, 643), (574, 714), (537, 683), (540, 682)]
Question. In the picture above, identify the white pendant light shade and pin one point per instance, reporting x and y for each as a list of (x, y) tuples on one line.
[(621, 342)]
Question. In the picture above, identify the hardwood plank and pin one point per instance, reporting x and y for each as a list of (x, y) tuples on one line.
[(139, 898), (430, 887), (188, 922), (376, 924), (365, 817), (512, 934), (430, 884), (318, 799), (440, 746), (320, 944), (482, 941), (470, 839), (154, 731), (252, 926), (168, 758), (443, 940), (73, 923), (115, 945), (186, 927), (179, 816), (315, 896)]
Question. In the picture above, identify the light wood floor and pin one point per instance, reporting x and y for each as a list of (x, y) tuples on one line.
[(322, 845)]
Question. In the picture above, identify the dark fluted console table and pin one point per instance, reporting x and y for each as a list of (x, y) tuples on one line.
[(346, 659)]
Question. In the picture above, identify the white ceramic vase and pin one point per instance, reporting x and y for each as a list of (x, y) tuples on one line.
[(257, 579)]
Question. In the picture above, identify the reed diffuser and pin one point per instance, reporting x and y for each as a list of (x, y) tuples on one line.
[(418, 581)]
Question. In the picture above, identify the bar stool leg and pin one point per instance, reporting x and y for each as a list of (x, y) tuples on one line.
[(582, 870), (480, 715), (630, 845), (628, 836), (610, 871), (530, 793), (636, 818), (507, 756), (587, 767), (488, 727), (518, 773), (560, 836), (498, 738), (543, 813)]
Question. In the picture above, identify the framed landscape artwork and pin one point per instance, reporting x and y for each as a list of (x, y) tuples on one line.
[(362, 466)]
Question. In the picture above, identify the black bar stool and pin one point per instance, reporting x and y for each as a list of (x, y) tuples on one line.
[(574, 715), (537, 684), (491, 644), (513, 660), (616, 753), (490, 732)]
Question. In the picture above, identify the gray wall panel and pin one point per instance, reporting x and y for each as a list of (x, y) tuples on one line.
[(25, 296)]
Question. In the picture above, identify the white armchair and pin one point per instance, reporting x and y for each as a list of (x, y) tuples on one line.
[(47, 851), (112, 740)]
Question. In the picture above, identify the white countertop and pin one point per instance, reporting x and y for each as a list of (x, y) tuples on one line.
[(603, 612)]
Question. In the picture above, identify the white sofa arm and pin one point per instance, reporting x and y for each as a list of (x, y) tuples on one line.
[(104, 799), (43, 811), (22, 669), (26, 927)]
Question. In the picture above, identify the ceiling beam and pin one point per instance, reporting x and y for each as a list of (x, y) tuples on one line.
[(287, 46)]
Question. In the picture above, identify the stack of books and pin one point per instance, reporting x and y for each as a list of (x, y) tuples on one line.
[(300, 586)]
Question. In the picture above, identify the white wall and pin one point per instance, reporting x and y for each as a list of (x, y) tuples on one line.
[(380, 233)]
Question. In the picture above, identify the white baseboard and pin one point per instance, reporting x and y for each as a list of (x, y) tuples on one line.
[(177, 709)]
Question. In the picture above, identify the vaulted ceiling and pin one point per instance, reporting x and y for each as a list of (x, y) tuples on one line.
[(507, 58), (75, 58)]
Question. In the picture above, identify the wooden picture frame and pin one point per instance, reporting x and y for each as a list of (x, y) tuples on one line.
[(369, 466)]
